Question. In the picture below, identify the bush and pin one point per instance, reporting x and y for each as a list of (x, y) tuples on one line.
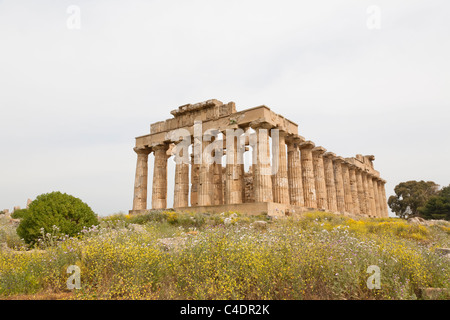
[(58, 209), (19, 214)]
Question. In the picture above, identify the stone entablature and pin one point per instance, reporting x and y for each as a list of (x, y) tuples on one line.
[(288, 173)]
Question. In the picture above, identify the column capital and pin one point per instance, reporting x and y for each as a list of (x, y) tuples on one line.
[(319, 150), (260, 124), (338, 159), (159, 146), (294, 140), (307, 145), (329, 155), (143, 151)]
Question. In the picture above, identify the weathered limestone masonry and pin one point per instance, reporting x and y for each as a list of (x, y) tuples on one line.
[(288, 174)]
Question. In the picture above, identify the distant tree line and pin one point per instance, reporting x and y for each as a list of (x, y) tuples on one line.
[(420, 198)]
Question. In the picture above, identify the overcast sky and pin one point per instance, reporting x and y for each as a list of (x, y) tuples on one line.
[(72, 99)]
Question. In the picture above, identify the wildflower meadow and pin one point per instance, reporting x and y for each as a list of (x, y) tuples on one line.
[(170, 255)]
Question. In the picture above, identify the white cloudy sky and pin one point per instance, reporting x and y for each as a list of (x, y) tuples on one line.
[(72, 101)]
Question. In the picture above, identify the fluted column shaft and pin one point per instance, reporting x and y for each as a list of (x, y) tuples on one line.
[(361, 195), (354, 189), (319, 175), (262, 170), (218, 182), (376, 197), (347, 190), (233, 172), (383, 196), (159, 187), (181, 187), (371, 196), (195, 175), (206, 175), (141, 179), (367, 194), (309, 183), (339, 181), (329, 181), (294, 171), (280, 183)]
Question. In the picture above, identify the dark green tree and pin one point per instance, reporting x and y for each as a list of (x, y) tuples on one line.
[(68, 213), (19, 214), (438, 206), (410, 196)]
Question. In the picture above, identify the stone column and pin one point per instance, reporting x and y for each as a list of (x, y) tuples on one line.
[(141, 179), (159, 188), (367, 194), (354, 189), (347, 189), (383, 198), (376, 197), (319, 174), (181, 187), (339, 181), (195, 175), (309, 183), (261, 164), (206, 176), (280, 178), (294, 171), (329, 180), (218, 184), (360, 189), (233, 172), (373, 203)]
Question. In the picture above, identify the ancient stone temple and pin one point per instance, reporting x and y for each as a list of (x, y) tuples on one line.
[(288, 174)]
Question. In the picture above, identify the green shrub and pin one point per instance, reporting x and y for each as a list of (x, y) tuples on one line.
[(58, 209), (19, 214)]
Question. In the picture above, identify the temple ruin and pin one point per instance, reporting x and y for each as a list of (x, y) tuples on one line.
[(306, 176)]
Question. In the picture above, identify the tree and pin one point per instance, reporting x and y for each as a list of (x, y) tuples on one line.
[(68, 213), (19, 214), (410, 196), (438, 206)]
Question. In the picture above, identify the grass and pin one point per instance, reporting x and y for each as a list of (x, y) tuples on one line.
[(171, 255)]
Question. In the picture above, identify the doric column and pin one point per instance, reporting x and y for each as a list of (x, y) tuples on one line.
[(383, 198), (141, 179), (329, 180), (309, 183), (262, 179), (338, 179), (218, 184), (376, 197), (354, 189), (319, 174), (233, 170), (159, 188), (347, 190), (367, 194), (181, 187), (206, 176), (294, 170), (195, 176), (280, 184), (373, 206), (360, 188)]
